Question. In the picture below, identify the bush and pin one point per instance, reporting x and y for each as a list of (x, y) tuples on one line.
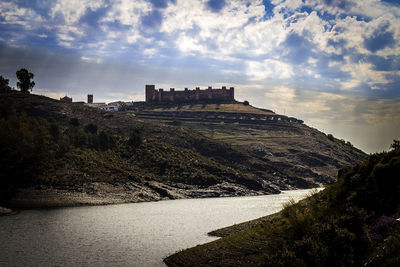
[(91, 128), (74, 122), (246, 103), (135, 139), (25, 144)]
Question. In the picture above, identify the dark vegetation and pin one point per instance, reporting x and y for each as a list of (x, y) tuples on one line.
[(354, 222), (47, 142), (32, 146), (24, 80), (4, 87)]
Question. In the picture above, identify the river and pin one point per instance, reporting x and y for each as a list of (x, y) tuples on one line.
[(137, 234)]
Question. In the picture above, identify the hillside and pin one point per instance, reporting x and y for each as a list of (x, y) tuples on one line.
[(354, 222), (286, 145), (114, 157)]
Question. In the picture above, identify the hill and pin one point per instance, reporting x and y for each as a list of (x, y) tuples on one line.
[(291, 150), (65, 153), (354, 222)]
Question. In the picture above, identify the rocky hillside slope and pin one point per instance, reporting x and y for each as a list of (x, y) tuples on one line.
[(286, 145), (127, 157)]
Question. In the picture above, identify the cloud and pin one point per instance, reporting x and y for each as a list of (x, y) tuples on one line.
[(269, 68), (12, 14), (335, 6), (91, 59), (315, 58), (73, 10)]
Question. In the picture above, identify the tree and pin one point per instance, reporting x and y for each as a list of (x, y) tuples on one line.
[(395, 145), (4, 87), (24, 77)]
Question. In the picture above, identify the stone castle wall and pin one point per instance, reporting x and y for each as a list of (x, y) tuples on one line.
[(223, 94)]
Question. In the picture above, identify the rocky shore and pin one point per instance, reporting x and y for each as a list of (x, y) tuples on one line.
[(5, 211), (105, 193)]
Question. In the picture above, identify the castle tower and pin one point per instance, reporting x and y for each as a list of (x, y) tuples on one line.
[(150, 92), (209, 92), (160, 95), (172, 94), (90, 99), (232, 93)]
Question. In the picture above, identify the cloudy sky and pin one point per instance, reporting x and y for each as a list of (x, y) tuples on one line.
[(333, 63)]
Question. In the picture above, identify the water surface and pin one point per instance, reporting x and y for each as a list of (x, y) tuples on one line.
[(138, 234)]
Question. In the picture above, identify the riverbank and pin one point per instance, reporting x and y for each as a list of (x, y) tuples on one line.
[(5, 211), (97, 193)]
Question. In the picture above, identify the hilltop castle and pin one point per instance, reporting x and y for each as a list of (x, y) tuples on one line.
[(209, 94)]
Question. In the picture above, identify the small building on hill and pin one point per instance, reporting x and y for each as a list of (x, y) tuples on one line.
[(101, 105), (66, 99), (196, 95)]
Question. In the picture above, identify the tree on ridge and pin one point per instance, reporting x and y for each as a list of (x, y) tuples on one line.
[(24, 77)]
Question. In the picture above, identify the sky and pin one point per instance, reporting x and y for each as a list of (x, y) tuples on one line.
[(333, 63)]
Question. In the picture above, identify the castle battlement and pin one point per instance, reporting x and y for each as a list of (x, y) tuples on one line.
[(210, 94)]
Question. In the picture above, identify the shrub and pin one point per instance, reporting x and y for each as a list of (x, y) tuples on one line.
[(25, 144), (91, 128), (135, 139), (74, 122)]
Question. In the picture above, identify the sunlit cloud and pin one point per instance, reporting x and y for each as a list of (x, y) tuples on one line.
[(317, 59)]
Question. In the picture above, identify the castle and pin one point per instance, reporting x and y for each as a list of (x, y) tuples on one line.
[(196, 95)]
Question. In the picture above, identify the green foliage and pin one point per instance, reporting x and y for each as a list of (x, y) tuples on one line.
[(25, 143), (88, 137), (34, 148), (332, 228), (106, 141), (25, 83)]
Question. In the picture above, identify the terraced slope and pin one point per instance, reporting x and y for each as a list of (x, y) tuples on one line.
[(288, 146)]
